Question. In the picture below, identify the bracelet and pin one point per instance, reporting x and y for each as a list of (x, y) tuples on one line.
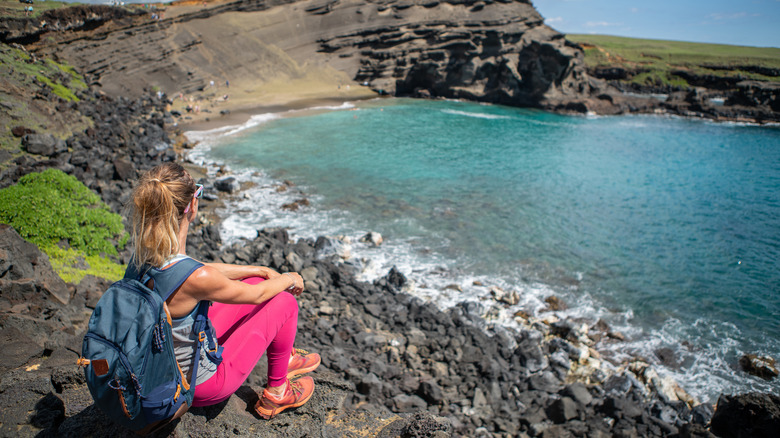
[(293, 279)]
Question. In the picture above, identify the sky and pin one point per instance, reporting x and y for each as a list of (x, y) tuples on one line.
[(736, 22)]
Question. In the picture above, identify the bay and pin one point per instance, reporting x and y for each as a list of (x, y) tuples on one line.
[(666, 228)]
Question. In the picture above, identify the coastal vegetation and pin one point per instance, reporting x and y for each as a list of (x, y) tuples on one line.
[(671, 63), (24, 76), (67, 221), (14, 8)]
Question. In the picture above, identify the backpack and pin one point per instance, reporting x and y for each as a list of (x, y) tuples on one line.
[(130, 365)]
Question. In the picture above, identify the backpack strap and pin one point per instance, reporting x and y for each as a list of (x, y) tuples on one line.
[(204, 333), (166, 281)]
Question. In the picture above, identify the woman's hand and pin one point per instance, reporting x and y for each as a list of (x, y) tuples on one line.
[(297, 287), (268, 273)]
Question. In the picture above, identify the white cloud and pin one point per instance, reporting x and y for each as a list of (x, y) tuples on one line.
[(558, 19), (600, 24), (635, 10)]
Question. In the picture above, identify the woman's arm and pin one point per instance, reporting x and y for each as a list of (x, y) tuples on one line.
[(208, 283), (238, 272)]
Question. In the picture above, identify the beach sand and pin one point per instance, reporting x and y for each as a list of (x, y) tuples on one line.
[(246, 98)]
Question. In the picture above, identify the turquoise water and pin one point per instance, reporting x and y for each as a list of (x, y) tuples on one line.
[(667, 228)]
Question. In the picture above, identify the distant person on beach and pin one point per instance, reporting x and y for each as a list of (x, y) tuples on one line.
[(254, 308)]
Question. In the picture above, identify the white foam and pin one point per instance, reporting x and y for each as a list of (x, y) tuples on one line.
[(218, 134), (475, 115)]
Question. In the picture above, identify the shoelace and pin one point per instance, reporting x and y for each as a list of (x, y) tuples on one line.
[(296, 389)]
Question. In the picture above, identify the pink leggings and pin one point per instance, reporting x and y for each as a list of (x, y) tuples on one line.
[(246, 331)]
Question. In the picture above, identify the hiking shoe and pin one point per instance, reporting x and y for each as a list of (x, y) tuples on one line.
[(296, 394), (302, 362)]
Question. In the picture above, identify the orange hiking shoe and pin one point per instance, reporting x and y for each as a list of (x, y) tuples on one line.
[(296, 394), (302, 362)]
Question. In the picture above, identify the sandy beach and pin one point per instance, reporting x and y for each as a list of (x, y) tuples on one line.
[(234, 103)]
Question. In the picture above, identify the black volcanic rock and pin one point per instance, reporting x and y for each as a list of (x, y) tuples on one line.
[(747, 415)]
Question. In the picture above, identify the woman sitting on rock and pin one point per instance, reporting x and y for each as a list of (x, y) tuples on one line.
[(255, 315)]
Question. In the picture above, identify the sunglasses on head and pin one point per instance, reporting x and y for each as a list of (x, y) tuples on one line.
[(197, 195)]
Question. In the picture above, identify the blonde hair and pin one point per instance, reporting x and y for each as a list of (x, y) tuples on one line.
[(159, 199)]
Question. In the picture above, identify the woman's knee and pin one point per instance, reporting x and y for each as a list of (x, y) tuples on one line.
[(285, 302)]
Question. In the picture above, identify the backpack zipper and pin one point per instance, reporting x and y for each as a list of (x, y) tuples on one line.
[(150, 301), (122, 359)]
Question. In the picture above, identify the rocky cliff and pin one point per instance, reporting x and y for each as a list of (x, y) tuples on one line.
[(491, 51)]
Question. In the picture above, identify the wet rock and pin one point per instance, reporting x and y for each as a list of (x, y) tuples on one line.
[(295, 205), (507, 297), (395, 278), (229, 184), (372, 237), (760, 366), (554, 303)]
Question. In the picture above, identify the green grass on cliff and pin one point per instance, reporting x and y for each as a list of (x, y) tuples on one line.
[(67, 221), (655, 60), (61, 78), (13, 8), (23, 80)]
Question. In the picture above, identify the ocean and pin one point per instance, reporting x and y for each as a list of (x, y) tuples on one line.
[(666, 228)]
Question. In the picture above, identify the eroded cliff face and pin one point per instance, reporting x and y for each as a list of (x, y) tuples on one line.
[(490, 51)]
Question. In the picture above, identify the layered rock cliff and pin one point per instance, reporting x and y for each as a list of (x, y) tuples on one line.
[(497, 52), (491, 51)]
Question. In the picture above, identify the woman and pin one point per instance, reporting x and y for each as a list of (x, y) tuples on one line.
[(249, 317)]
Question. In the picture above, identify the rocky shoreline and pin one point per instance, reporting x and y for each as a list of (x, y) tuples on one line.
[(392, 365)]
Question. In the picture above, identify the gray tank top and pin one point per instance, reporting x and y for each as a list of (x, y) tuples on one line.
[(184, 340)]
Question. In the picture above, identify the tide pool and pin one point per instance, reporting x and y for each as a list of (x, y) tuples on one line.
[(666, 228)]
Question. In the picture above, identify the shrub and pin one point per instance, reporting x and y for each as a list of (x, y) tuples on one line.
[(50, 207)]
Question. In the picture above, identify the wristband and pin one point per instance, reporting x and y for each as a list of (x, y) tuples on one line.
[(293, 279)]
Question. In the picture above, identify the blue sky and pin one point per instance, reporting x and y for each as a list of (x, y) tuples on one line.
[(738, 22)]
